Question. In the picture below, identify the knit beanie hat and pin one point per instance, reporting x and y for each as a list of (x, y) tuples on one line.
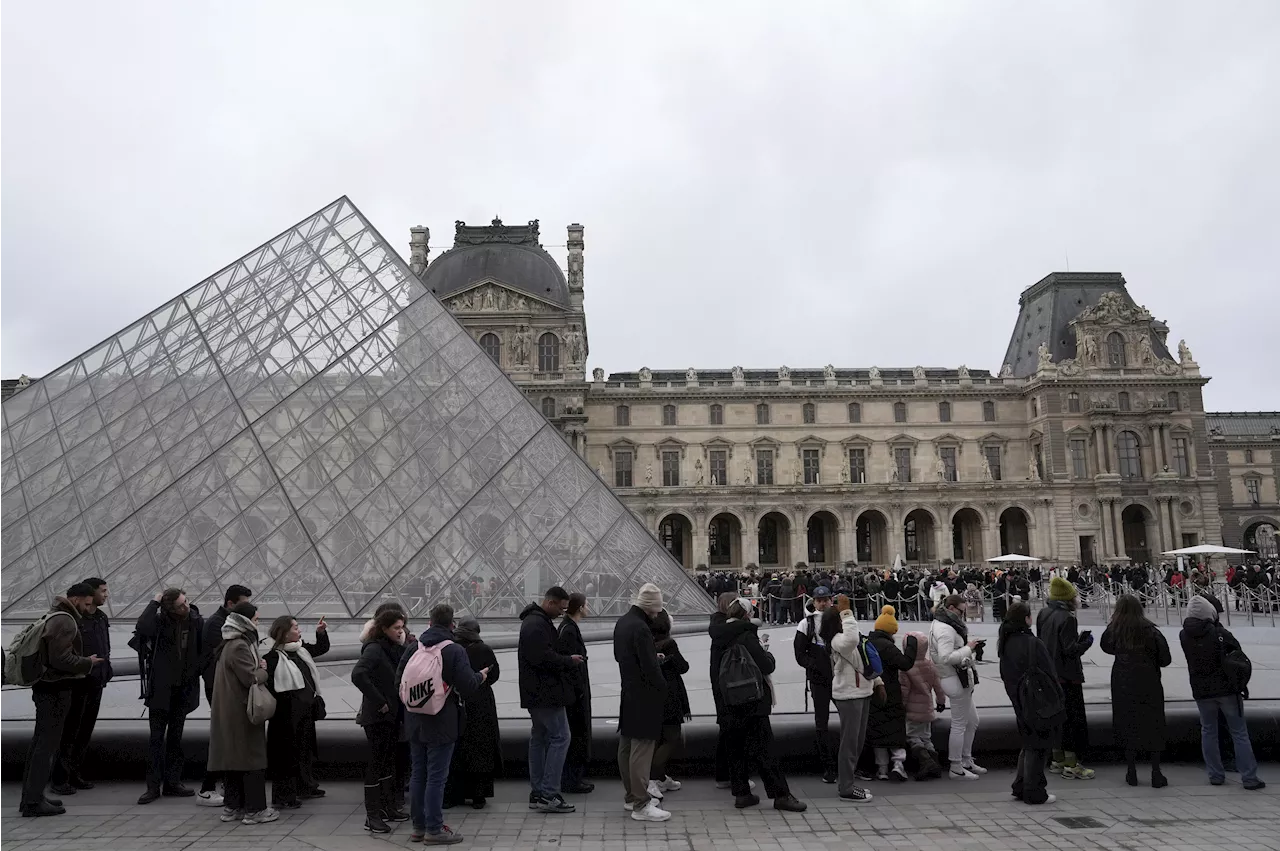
[(1201, 609), (649, 598), (887, 623), (1061, 589)]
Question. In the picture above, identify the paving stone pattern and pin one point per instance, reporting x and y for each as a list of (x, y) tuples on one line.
[(1190, 815)]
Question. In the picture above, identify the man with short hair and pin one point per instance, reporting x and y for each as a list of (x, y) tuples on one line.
[(64, 662), (545, 690), (432, 738), (169, 631), (211, 644), (86, 694), (814, 656)]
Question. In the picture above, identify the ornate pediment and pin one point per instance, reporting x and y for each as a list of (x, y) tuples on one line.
[(496, 231), (491, 297), (1112, 309)]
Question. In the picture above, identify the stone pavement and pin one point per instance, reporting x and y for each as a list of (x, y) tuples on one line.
[(939, 815)]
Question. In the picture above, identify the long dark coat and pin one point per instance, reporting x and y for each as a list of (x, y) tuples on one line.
[(288, 731), (234, 743), (569, 643), (887, 722), (173, 671), (479, 749), (1022, 651), (644, 688), (1137, 694), (676, 708)]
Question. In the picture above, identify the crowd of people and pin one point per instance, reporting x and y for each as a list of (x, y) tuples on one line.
[(430, 717)]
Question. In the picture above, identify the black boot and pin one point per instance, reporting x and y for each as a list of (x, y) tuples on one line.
[(393, 800), (373, 810)]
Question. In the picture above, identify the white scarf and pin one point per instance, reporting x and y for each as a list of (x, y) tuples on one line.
[(288, 677)]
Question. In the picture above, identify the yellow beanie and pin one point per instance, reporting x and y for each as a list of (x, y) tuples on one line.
[(887, 623), (1061, 589)]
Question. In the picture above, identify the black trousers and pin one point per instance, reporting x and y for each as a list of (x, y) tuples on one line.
[(86, 700), (1030, 783), (52, 707), (246, 791), (821, 694), (722, 754), (383, 741), (1075, 732), (749, 741), (167, 759)]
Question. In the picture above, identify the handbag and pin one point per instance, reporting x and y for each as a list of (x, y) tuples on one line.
[(318, 710), (261, 704)]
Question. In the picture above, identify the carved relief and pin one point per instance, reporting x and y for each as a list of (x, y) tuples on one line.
[(1112, 309), (646, 374), (737, 373), (491, 299), (574, 345), (828, 372), (1006, 371), (784, 373), (597, 375), (1070, 367)]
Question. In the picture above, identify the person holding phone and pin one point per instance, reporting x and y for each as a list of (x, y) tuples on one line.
[(1057, 627), (952, 652)]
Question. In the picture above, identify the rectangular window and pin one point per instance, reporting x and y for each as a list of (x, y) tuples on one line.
[(992, 454), (810, 458), (668, 415), (858, 466), (1251, 487), (719, 467), (1079, 459), (902, 462), (764, 466), (1181, 463), (762, 414), (717, 415), (671, 468), (949, 471), (622, 469)]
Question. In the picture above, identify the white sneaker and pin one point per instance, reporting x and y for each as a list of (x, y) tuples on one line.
[(725, 784), (209, 799), (260, 817), (655, 791), (650, 812), (1052, 797), (960, 773), (666, 784), (229, 815), (975, 768), (628, 806)]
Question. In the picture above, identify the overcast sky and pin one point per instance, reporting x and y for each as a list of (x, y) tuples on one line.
[(761, 183)]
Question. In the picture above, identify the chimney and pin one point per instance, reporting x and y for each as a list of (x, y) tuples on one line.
[(419, 250)]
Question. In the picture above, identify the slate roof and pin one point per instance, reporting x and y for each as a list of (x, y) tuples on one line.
[(508, 254), (1258, 424)]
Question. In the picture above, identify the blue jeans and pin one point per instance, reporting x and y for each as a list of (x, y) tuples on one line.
[(1232, 708), (548, 746), (426, 785)]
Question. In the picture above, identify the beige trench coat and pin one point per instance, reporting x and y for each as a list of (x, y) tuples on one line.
[(234, 743)]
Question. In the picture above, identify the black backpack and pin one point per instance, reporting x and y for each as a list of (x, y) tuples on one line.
[(741, 682), (1040, 695), (1236, 666)]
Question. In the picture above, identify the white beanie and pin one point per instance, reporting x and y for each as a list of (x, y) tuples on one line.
[(1201, 609), (649, 598)]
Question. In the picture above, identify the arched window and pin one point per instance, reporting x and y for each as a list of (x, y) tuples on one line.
[(1035, 408), (622, 416), (1130, 455), (810, 415), (1125, 404), (762, 414), (492, 347), (548, 353), (899, 412), (1175, 401), (549, 407), (988, 412), (717, 415), (1073, 403), (668, 415), (1115, 349), (944, 412)]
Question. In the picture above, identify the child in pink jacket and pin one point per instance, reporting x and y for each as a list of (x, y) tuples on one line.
[(923, 697)]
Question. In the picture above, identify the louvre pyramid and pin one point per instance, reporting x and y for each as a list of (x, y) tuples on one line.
[(309, 422)]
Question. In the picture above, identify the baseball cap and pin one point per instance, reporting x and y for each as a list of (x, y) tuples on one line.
[(822, 591)]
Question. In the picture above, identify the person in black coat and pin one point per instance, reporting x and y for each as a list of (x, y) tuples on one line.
[(169, 631), (293, 680), (569, 643), (1020, 652), (211, 645), (887, 721), (1057, 627), (748, 735), (380, 715), (545, 691), (813, 655), (477, 758), (86, 695), (1137, 694), (676, 710), (644, 694)]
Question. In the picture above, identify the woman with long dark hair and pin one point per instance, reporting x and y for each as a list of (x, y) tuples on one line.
[(294, 681), (1024, 659), (477, 758), (1137, 694), (380, 710), (569, 643)]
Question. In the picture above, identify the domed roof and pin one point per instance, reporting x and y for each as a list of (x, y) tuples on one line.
[(508, 254)]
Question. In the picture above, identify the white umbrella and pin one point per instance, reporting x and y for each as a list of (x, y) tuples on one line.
[(1208, 549), (1014, 557)]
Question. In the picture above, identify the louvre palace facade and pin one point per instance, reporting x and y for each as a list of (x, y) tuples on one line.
[(1090, 443)]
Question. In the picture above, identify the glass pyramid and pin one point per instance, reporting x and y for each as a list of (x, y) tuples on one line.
[(309, 422)]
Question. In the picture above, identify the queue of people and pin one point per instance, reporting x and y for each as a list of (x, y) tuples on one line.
[(430, 717)]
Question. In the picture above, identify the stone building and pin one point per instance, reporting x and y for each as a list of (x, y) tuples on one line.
[(1245, 448), (1089, 444)]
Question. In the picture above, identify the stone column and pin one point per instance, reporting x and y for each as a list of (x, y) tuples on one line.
[(991, 536), (1175, 523), (701, 540), (1116, 539), (1164, 448), (848, 536), (1162, 503), (751, 540), (1113, 460), (1099, 448), (1103, 549), (939, 552)]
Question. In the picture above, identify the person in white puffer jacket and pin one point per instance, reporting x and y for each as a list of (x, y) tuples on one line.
[(850, 692), (952, 653)]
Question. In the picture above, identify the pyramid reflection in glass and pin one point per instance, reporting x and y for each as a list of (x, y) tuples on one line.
[(309, 422)]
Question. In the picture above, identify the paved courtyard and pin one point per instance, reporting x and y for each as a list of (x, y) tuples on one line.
[(939, 815)]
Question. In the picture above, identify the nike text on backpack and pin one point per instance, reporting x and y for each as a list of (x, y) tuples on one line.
[(422, 688), (741, 682), (24, 665)]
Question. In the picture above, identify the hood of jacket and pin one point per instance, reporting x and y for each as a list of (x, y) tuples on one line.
[(531, 608), (724, 631), (367, 631), (62, 604), (1199, 627), (434, 635)]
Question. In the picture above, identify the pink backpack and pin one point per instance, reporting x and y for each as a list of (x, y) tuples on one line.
[(422, 688)]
